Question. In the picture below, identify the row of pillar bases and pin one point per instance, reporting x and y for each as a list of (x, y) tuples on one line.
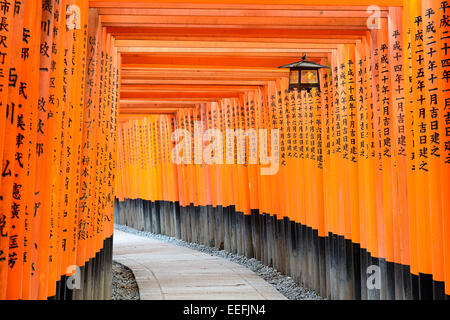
[(92, 281), (332, 266)]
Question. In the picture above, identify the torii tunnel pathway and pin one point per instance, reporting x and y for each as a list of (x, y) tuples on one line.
[(165, 271), (176, 117)]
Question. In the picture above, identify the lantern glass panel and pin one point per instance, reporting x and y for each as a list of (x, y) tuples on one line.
[(310, 77), (294, 77)]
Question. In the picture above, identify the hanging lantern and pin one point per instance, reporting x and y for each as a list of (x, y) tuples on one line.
[(304, 75)]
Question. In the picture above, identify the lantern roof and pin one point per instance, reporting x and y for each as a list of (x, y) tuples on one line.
[(304, 64)]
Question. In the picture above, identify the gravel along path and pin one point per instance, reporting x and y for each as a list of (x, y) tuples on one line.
[(124, 285), (284, 284)]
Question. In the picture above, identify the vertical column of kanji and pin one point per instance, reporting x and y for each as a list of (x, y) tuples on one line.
[(224, 173), (6, 15), (310, 214), (55, 94), (177, 157), (112, 154), (376, 87), (312, 192), (168, 176), (238, 193), (159, 173), (13, 175), (67, 223), (273, 179), (212, 179), (360, 128), (434, 106), (135, 152), (281, 176), (354, 246), (107, 218), (263, 149), (95, 215), (98, 175), (241, 185), (65, 41), (165, 175), (236, 200), (173, 192), (78, 11), (367, 155), (141, 181), (187, 187), (421, 138), (306, 190), (318, 192), (102, 140), (410, 152), (330, 181), (313, 196), (218, 174), (175, 199), (124, 161), (290, 118), (162, 150), (300, 105), (223, 170), (401, 230), (43, 148), (320, 166), (121, 165), (127, 157), (119, 168), (333, 234), (197, 129), (211, 158), (342, 185), (120, 175), (271, 125), (48, 129), (257, 212), (286, 175), (246, 218), (370, 170), (442, 9), (326, 153), (262, 146), (90, 120), (262, 153), (389, 176), (146, 142), (316, 208), (293, 154), (199, 165), (147, 155), (251, 159), (31, 60)]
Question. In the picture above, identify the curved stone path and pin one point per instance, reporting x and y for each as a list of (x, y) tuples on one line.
[(165, 271)]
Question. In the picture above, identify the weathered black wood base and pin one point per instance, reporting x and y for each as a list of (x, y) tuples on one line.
[(93, 281), (331, 265)]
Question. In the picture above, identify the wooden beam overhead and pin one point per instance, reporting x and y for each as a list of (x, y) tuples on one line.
[(241, 3), (182, 53), (214, 12)]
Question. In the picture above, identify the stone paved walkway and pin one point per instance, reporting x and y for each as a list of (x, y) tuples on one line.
[(167, 272)]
